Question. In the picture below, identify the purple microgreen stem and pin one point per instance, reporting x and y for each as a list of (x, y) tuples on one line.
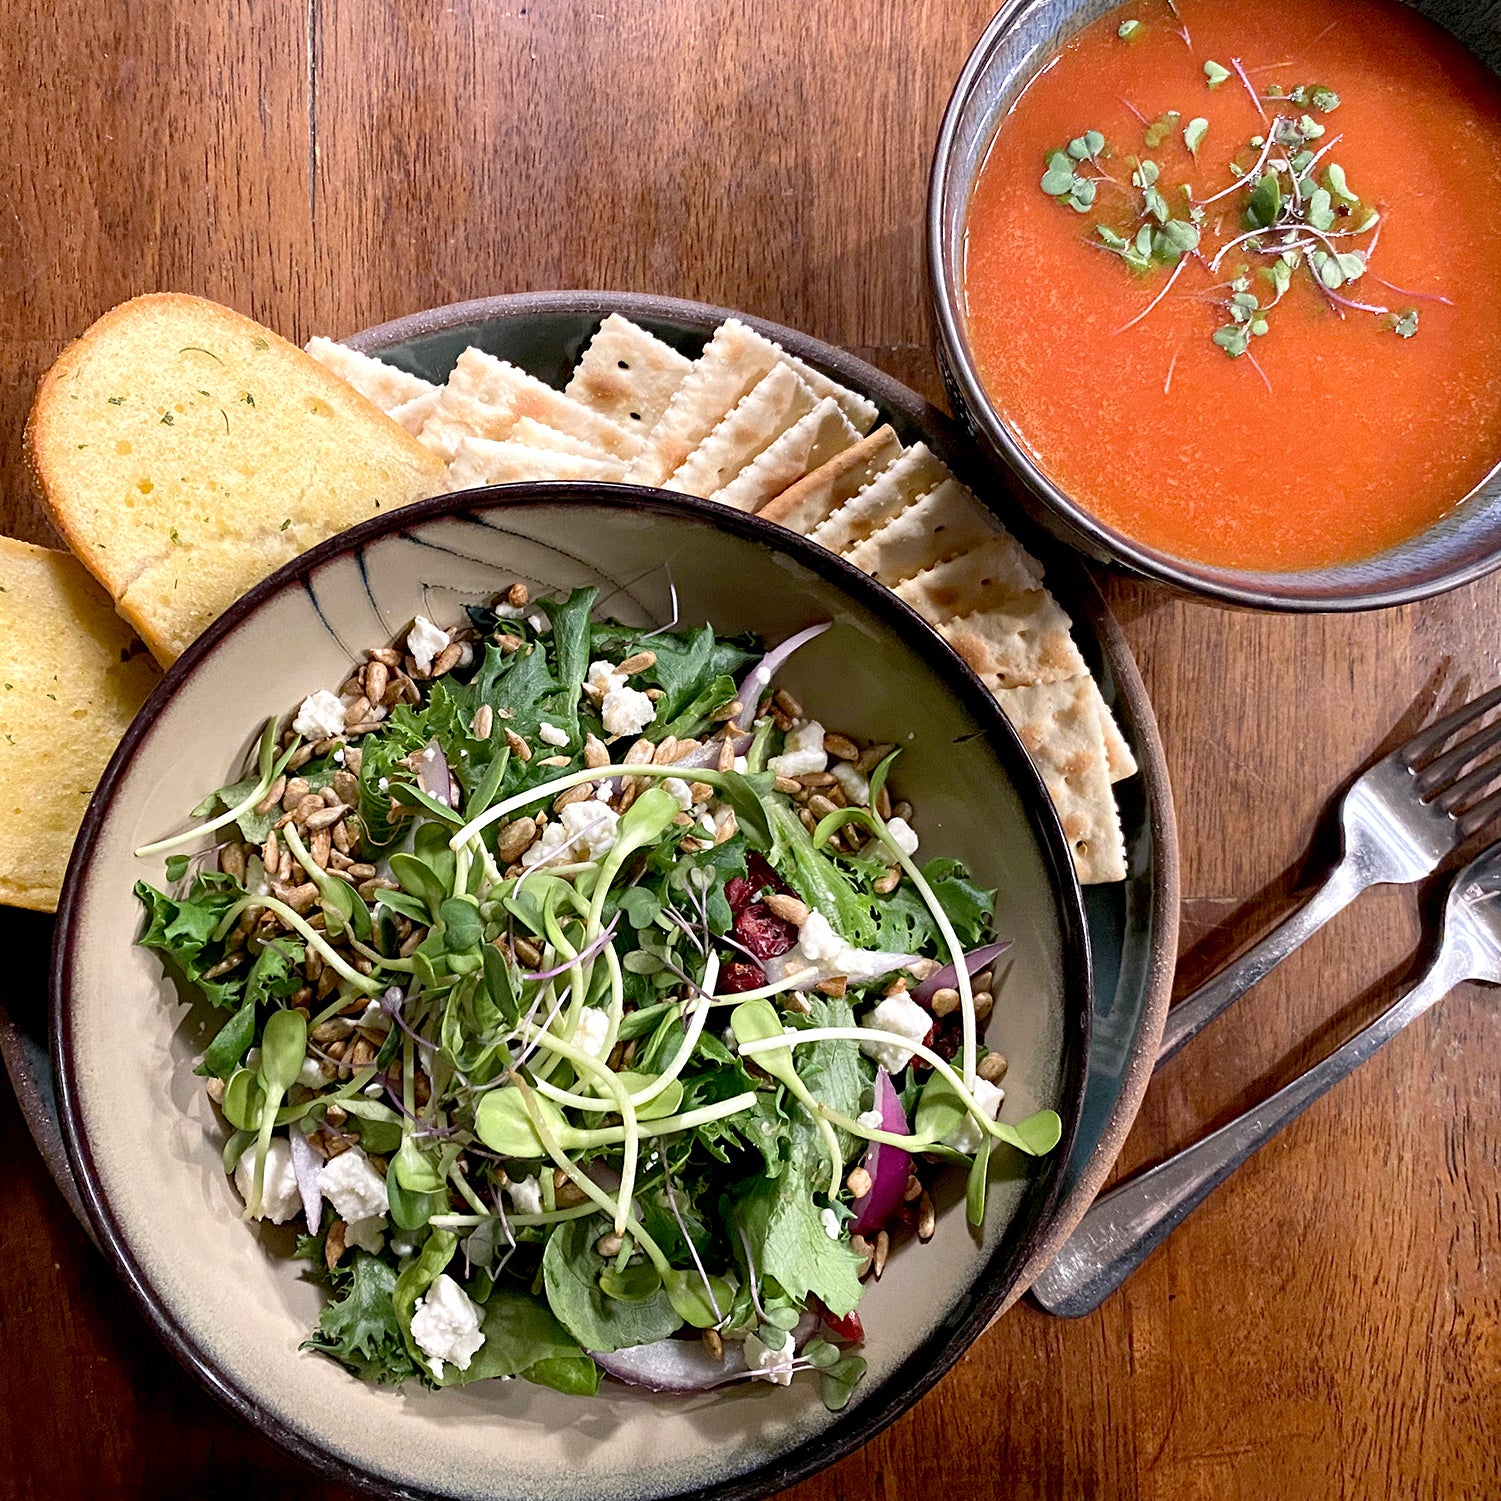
[(1408, 292), (1250, 87), (590, 950)]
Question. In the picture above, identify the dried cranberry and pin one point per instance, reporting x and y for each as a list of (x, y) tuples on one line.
[(946, 1036), (741, 891), (756, 926), (737, 975), (764, 933)]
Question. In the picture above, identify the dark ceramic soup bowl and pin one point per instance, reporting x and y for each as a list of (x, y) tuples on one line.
[(144, 1143), (1023, 36)]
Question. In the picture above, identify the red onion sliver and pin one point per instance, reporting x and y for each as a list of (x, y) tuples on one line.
[(707, 754), (672, 1365), (758, 679), (889, 1167), (306, 1165), (945, 978), (433, 775), (677, 1365)]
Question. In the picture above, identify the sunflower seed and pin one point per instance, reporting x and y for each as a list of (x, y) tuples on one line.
[(516, 838)]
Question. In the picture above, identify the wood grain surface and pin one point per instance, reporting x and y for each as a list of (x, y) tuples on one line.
[(1329, 1325)]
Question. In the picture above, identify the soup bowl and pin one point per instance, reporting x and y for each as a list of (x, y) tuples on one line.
[(1020, 40), (144, 1143)]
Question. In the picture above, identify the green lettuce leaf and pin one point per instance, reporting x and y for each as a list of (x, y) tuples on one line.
[(570, 1272), (358, 1326), (523, 1338)]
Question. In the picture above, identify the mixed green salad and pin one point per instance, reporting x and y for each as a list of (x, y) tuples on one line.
[(587, 1005)]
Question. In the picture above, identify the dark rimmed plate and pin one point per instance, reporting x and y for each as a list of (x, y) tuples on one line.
[(1132, 924)]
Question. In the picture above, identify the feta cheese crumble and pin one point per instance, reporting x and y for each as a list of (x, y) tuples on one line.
[(818, 946), (310, 1075), (903, 835), (366, 1234), (802, 751), (830, 1222), (280, 1199), (445, 1325), (592, 1032), (856, 788), (871, 1118), (355, 1189), (680, 790), (526, 1195), (375, 1017), (768, 1364), (425, 641), (321, 716), (626, 711), (585, 829), (603, 680), (965, 1137), (900, 1014), (552, 734)]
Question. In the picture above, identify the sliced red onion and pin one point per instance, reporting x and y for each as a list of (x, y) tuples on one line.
[(707, 754), (673, 1365), (889, 1167), (306, 1165), (948, 976), (682, 1365), (758, 679), (433, 775)]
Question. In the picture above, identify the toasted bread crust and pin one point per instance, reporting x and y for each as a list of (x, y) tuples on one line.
[(176, 423)]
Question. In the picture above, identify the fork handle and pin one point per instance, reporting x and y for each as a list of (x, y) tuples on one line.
[(1123, 1227), (1195, 1011)]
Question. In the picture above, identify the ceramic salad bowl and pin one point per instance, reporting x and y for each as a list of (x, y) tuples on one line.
[(143, 1139)]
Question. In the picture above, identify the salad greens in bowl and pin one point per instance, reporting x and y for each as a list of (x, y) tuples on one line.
[(577, 976)]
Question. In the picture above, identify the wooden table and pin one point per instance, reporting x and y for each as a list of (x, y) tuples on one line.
[(1330, 1323)]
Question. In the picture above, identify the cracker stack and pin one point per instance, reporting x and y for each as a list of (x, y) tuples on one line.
[(750, 426)]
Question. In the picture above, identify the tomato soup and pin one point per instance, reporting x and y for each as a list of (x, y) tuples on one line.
[(1254, 418)]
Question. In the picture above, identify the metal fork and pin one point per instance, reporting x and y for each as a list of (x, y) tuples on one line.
[(1123, 1227), (1398, 821)]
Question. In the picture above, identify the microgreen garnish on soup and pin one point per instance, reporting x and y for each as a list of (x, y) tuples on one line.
[(1298, 214)]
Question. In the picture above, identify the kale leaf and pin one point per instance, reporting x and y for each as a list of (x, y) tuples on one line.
[(358, 1326)]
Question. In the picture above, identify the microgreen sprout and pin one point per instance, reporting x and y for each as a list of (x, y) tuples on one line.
[(1298, 213), (472, 1025), (1064, 181)]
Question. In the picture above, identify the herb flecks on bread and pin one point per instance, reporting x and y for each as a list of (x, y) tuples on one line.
[(71, 679), (185, 452)]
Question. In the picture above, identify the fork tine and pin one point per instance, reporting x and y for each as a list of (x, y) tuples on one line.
[(1469, 785), (1442, 770), (1425, 742), (1474, 819)]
